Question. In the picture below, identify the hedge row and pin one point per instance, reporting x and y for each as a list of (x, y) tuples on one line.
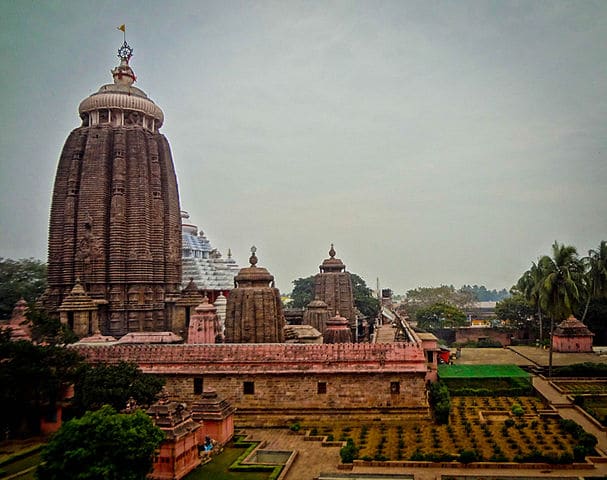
[(237, 465)]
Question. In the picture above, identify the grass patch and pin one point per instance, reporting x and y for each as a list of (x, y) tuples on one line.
[(227, 466)]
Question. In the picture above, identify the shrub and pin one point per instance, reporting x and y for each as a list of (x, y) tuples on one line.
[(440, 402), (468, 456), (295, 427), (348, 452), (517, 410)]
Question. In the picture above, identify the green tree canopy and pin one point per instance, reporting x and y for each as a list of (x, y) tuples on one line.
[(24, 278), (113, 385), (33, 379), (482, 294), (596, 275), (303, 292), (515, 309), (364, 300), (562, 279), (102, 445), (424, 297), (440, 315)]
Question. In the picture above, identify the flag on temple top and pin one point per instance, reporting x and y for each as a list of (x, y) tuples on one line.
[(122, 28)]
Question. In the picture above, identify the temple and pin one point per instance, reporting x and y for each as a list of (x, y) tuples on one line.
[(333, 286), (254, 309), (571, 335), (115, 216), (178, 453), (116, 244)]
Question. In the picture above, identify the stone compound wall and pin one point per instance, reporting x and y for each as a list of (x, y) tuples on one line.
[(473, 334), (304, 390), (281, 380)]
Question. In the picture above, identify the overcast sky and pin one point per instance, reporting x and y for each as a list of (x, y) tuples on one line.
[(432, 142)]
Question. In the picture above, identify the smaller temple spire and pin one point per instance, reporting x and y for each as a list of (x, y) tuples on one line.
[(332, 252)]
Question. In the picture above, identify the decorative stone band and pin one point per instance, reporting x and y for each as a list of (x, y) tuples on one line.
[(126, 103), (262, 358)]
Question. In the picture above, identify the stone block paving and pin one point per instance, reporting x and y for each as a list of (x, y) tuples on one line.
[(312, 458)]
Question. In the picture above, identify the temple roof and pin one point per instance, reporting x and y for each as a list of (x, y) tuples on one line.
[(253, 276), (121, 94), (332, 264), (172, 418), (202, 262), (572, 327), (151, 337), (206, 307), (317, 303), (77, 300)]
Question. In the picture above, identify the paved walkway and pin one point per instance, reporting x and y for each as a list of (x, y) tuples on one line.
[(385, 334), (312, 458)]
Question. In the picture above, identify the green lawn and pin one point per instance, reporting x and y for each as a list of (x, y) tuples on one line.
[(217, 469)]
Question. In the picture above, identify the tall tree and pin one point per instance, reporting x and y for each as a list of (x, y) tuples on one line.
[(562, 277), (515, 309), (102, 445), (364, 299), (114, 385), (424, 297), (596, 275), (25, 278), (303, 292), (529, 285), (440, 315), (33, 379)]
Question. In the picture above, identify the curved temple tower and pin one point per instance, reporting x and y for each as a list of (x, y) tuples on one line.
[(115, 218), (254, 310), (333, 285)]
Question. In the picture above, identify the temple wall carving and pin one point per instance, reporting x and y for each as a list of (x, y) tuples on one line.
[(115, 224)]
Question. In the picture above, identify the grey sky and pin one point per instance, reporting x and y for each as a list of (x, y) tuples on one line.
[(432, 142)]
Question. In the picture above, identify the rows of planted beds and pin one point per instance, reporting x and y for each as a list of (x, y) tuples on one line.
[(589, 395), (495, 429)]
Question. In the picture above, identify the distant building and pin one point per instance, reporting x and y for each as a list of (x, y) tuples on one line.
[(479, 313)]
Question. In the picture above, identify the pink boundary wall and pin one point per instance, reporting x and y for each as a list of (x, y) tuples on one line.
[(263, 358)]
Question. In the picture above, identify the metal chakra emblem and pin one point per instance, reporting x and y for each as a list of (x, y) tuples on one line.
[(125, 52)]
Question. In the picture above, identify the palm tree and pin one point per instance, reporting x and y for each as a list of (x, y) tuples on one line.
[(596, 274), (529, 285), (562, 277)]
